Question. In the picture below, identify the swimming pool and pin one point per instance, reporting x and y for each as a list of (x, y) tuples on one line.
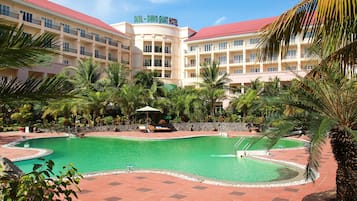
[(207, 157)]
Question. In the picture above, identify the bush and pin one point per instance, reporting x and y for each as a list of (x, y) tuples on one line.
[(40, 184)]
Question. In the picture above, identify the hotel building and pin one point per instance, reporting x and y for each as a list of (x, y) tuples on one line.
[(156, 43), (79, 36)]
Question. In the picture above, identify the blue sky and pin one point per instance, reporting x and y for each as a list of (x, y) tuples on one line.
[(192, 13)]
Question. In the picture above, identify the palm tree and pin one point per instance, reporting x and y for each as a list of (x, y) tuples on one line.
[(85, 76), (19, 49), (328, 96), (214, 84), (116, 74)]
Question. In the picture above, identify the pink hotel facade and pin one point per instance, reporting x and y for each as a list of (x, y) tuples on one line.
[(176, 53)]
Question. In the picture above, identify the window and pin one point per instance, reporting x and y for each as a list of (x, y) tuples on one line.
[(254, 70), (239, 71), (66, 28), (222, 59), (65, 61), (192, 74), (193, 48), (207, 60), (192, 62), (147, 62), (4, 10), (158, 49), (82, 50), (167, 63), (167, 49), (308, 67), (208, 47), (308, 35), (253, 41), (96, 53), (238, 58), (147, 48), (66, 46), (26, 16), (82, 32), (48, 22), (157, 62), (222, 45), (252, 57), (272, 69), (109, 56), (290, 68), (237, 43), (291, 54)]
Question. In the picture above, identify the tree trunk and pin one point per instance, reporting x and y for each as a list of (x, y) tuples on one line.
[(344, 148)]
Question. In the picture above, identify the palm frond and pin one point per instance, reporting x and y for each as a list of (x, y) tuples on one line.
[(33, 89), (19, 49)]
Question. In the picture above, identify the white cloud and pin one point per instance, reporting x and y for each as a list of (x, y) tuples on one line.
[(220, 20)]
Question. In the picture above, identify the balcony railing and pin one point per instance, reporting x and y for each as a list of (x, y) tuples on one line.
[(99, 56), (72, 50), (112, 59), (101, 40), (53, 26), (85, 35), (125, 47), (71, 31), (10, 14), (125, 61), (86, 53), (113, 43)]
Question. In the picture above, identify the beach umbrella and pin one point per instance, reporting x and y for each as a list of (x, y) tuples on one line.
[(147, 110)]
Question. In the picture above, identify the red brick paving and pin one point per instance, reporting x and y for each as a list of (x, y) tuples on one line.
[(160, 187)]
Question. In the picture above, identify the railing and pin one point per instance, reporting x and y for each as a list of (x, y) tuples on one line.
[(99, 56), (70, 31), (125, 62), (112, 59), (10, 14), (72, 50), (53, 26), (101, 40), (85, 35), (125, 47), (113, 43), (86, 53)]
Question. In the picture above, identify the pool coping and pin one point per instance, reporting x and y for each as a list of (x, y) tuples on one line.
[(281, 183)]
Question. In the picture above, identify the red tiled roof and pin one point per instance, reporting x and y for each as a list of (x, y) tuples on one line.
[(45, 4), (236, 28)]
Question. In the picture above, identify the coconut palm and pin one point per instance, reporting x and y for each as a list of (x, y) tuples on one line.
[(328, 96), (214, 83), (116, 75), (85, 76), (19, 49)]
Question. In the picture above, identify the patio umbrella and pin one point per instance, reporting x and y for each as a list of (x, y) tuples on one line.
[(147, 109)]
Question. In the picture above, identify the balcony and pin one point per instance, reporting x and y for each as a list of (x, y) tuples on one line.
[(99, 56), (113, 43), (72, 50), (70, 31), (9, 14), (53, 26), (124, 61), (100, 39), (125, 47), (112, 58), (190, 65), (87, 36), (86, 53)]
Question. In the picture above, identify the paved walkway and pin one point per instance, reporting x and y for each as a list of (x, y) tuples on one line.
[(136, 186)]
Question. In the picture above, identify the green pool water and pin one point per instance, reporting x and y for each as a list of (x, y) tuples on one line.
[(207, 157)]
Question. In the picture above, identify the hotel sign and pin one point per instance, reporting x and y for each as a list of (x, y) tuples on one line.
[(155, 19)]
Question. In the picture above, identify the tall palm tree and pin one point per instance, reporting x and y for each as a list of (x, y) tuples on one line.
[(328, 95), (214, 83)]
